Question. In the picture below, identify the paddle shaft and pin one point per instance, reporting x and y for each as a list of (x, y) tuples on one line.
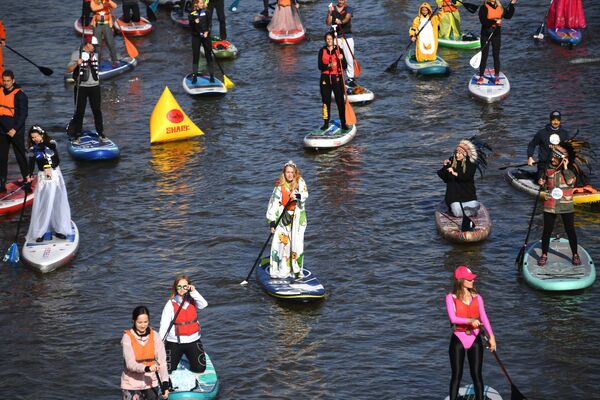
[(186, 295), (472, 8), (501, 364), (516, 166), (44, 70), (25, 190), (543, 24), (533, 214), (349, 110)]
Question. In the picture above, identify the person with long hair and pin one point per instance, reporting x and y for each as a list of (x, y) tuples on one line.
[(331, 62), (51, 211), (288, 198), (467, 315), (179, 323), (144, 360), (200, 25)]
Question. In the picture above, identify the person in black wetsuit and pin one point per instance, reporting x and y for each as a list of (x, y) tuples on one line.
[(200, 25), (551, 135), (331, 60), (490, 16), (220, 7)]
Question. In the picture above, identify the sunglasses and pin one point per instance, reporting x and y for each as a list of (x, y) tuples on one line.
[(558, 155), (184, 287)]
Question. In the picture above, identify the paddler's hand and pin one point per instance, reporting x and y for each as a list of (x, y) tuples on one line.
[(445, 162), (492, 343), (412, 38), (297, 6), (273, 226), (165, 394), (498, 22), (191, 288), (29, 178), (475, 322), (11, 132), (565, 163), (530, 161), (48, 173)]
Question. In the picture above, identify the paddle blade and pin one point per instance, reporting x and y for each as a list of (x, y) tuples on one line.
[(515, 394), (520, 257), (350, 116), (12, 254), (150, 13), (475, 60), (356, 68), (233, 7), (467, 224), (154, 6), (539, 34), (227, 82), (472, 8), (132, 51), (393, 66), (46, 71)]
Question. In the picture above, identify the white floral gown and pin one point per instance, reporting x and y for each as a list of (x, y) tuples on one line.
[(288, 241)]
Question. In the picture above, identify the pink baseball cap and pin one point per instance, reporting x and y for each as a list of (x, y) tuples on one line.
[(463, 272)]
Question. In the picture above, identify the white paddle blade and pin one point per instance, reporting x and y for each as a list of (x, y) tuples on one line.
[(475, 60)]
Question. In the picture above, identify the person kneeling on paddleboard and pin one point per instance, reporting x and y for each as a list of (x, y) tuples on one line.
[(145, 360), (180, 327), (467, 315), (426, 25), (331, 62), (200, 25), (51, 211), (552, 134)]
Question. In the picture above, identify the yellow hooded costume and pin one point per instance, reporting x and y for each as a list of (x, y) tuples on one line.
[(427, 41)]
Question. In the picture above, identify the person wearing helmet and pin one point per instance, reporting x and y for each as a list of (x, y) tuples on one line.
[(551, 134)]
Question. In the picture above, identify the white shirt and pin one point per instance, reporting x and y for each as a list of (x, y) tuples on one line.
[(169, 313)]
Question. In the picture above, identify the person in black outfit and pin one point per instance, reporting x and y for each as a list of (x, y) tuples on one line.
[(490, 16), (552, 134), (219, 5), (131, 11), (200, 25), (86, 12), (330, 60), (14, 107)]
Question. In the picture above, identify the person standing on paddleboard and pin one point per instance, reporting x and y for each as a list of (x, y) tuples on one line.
[(84, 66), (552, 134), (131, 11), (331, 62), (145, 360), (284, 19), (219, 5), (200, 25), (102, 22), (491, 14), (466, 312), (339, 17), (426, 24), (558, 200), (288, 198), (14, 107), (179, 324), (450, 22)]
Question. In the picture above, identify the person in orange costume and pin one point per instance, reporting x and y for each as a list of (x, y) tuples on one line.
[(424, 31)]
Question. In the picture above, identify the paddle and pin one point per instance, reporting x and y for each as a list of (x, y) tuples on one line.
[(151, 11), (350, 116), (154, 6), (515, 166), (132, 51), (44, 70), (356, 64), (394, 65), (539, 34), (476, 59), (467, 223), (245, 281), (228, 83), (521, 255), (472, 8), (233, 7), (12, 254), (183, 299)]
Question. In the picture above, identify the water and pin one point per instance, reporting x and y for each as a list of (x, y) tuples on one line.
[(198, 207)]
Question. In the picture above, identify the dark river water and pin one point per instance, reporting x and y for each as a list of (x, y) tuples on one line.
[(199, 207)]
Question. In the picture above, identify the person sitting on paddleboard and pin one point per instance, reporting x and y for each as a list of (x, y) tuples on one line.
[(426, 25), (287, 248), (102, 22), (51, 211), (450, 22), (339, 18), (467, 315), (558, 200), (459, 174), (179, 323), (131, 11), (84, 65), (145, 360), (284, 19), (331, 61), (200, 25), (551, 134), (491, 14)]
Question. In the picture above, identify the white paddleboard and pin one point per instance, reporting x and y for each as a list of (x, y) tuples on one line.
[(488, 91), (51, 254), (468, 392)]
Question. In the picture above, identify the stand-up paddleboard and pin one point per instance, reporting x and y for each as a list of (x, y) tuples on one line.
[(287, 37), (203, 85), (488, 91), (332, 137), (106, 70), (525, 181), (468, 41), (78, 25), (12, 199), (53, 252), (559, 274), (449, 226), (468, 392), (565, 36), (305, 289), (180, 17), (359, 95), (91, 148), (260, 21), (437, 67), (141, 28), (222, 49), (188, 385)]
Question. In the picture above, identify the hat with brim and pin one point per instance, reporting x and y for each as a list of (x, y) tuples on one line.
[(463, 272)]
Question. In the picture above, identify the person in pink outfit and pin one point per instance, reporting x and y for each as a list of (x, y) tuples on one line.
[(284, 18), (566, 14)]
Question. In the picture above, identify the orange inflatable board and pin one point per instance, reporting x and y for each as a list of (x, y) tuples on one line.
[(169, 123)]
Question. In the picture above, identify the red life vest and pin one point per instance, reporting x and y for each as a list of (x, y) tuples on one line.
[(494, 13), (143, 354), (331, 58), (466, 311), (186, 323), (286, 195), (7, 103), (448, 7)]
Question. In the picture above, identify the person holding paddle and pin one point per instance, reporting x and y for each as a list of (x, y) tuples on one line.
[(551, 134), (339, 17), (102, 22), (426, 42), (144, 359), (179, 325), (330, 62), (200, 25), (467, 315), (288, 198), (450, 23), (219, 5), (491, 14)]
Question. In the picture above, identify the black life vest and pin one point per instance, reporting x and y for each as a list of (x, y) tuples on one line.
[(82, 72)]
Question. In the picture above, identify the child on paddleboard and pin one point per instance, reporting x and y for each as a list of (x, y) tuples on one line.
[(424, 32), (200, 25)]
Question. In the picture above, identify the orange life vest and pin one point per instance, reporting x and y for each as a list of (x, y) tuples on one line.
[(494, 13), (284, 3), (448, 7), (187, 320), (466, 311), (7, 103), (286, 195), (143, 354), (103, 16)]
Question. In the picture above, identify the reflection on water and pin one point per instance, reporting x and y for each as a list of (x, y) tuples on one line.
[(170, 159)]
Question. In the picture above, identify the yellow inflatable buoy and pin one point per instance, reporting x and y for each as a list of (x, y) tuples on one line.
[(169, 123)]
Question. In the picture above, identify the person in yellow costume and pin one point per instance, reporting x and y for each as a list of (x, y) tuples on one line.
[(450, 24), (424, 31)]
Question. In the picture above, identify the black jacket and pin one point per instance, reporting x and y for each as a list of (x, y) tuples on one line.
[(486, 24), (44, 155), (542, 139), (462, 187), (203, 24)]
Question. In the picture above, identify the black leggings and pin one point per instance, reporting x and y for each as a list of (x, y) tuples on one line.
[(218, 4), (206, 43), (131, 13), (328, 84), (495, 44), (18, 145), (457, 358), (193, 351), (569, 223), (85, 93)]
